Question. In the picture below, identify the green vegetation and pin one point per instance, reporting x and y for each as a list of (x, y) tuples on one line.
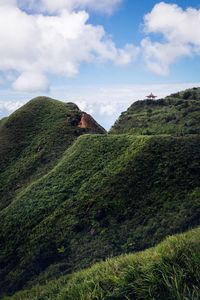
[(170, 271), (109, 194), (70, 199), (32, 140), (178, 114), (189, 94), (2, 121)]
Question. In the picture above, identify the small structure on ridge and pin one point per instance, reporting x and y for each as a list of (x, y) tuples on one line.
[(151, 96)]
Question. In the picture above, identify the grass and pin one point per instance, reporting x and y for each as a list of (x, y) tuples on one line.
[(32, 140), (169, 271), (70, 199), (177, 114), (109, 194)]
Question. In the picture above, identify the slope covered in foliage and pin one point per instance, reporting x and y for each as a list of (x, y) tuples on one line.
[(108, 195), (170, 271), (33, 139), (177, 114)]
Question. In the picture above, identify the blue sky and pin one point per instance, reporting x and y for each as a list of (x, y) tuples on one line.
[(103, 55)]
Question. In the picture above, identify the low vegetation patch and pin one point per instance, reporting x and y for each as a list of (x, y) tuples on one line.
[(178, 114), (33, 139), (170, 271), (71, 198), (109, 194)]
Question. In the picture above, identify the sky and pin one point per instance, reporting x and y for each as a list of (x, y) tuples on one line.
[(102, 55)]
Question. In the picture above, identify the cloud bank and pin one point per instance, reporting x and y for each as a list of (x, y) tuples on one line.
[(105, 104), (53, 38), (179, 31), (36, 45)]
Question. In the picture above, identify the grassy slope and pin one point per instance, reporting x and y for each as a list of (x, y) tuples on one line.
[(108, 195), (32, 140), (170, 271), (2, 121), (177, 114)]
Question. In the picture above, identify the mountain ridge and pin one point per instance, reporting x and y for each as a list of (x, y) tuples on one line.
[(33, 139), (73, 195), (177, 114), (123, 193)]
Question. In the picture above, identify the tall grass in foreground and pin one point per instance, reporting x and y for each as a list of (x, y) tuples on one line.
[(168, 271)]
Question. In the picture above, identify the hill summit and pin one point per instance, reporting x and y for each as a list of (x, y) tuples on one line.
[(70, 199), (177, 114), (33, 139)]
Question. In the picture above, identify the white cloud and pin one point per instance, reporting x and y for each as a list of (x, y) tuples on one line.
[(36, 45), (108, 109), (174, 23), (7, 107), (31, 82), (57, 44), (159, 56), (179, 30), (105, 104)]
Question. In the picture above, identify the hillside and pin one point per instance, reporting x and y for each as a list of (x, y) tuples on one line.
[(168, 271), (108, 195), (178, 114), (33, 139)]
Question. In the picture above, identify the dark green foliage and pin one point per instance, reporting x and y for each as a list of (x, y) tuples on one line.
[(70, 200), (32, 140), (108, 195), (178, 114), (170, 271), (189, 94), (2, 121)]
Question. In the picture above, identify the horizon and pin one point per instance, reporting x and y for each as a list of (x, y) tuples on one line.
[(101, 56)]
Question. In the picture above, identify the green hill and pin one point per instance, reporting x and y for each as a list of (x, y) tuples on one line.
[(169, 271), (178, 114), (33, 139), (109, 194), (71, 197)]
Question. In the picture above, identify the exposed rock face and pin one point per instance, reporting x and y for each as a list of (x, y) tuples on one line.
[(88, 122)]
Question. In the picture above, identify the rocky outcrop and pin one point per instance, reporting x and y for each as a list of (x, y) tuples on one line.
[(87, 122)]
